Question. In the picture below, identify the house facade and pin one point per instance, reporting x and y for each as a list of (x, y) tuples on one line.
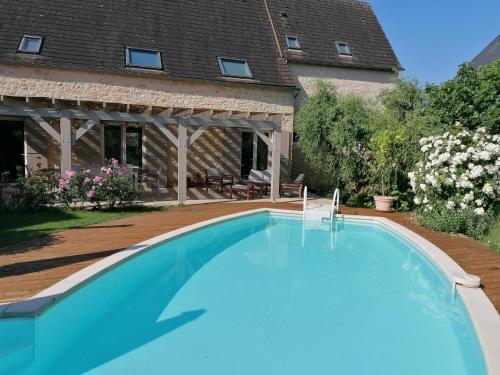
[(176, 87)]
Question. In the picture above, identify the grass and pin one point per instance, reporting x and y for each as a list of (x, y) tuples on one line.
[(21, 226), (492, 240)]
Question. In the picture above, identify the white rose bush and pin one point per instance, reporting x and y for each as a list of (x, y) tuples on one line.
[(457, 181)]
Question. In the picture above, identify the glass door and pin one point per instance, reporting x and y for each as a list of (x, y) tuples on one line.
[(11, 150)]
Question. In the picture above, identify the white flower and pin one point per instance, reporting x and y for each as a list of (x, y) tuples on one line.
[(423, 141), (476, 171), (417, 200), (444, 157), (463, 206), (488, 189), (484, 155), (450, 204), (425, 201), (468, 197), (423, 187), (479, 202), (479, 211)]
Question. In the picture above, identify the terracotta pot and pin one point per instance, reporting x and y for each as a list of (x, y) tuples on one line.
[(383, 203)]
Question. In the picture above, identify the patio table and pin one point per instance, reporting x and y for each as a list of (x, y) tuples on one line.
[(248, 189)]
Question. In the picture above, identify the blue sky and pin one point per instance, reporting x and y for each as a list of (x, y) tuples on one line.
[(432, 37)]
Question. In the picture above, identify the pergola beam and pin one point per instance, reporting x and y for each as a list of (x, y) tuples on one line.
[(82, 114), (45, 126), (197, 134), (84, 128), (163, 128)]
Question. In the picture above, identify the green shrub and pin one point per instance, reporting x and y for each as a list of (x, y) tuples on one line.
[(36, 192), (471, 98), (333, 135), (466, 221)]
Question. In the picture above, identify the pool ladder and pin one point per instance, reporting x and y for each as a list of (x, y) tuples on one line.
[(321, 212)]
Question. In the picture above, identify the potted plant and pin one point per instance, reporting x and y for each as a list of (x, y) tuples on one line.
[(385, 148)]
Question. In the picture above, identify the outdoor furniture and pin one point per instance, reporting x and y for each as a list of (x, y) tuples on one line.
[(214, 178), (261, 179), (146, 176), (242, 188), (295, 186)]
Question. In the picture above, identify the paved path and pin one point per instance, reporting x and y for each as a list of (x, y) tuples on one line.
[(28, 268)]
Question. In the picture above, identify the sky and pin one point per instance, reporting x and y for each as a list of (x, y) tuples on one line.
[(433, 37)]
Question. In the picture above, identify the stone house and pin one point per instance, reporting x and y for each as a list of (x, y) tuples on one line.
[(173, 86)]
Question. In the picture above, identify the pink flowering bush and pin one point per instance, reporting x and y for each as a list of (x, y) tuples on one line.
[(73, 188), (111, 187)]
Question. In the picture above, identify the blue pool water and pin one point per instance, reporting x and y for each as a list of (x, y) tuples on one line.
[(256, 295)]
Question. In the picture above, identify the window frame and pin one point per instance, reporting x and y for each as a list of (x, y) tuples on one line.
[(338, 44), (128, 63), (24, 37), (220, 60), (287, 37)]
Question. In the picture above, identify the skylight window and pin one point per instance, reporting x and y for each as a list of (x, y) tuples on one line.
[(292, 42), (234, 68), (343, 48), (143, 58), (30, 44)]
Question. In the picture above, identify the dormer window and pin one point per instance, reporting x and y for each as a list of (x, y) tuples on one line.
[(234, 68), (343, 49), (30, 44), (143, 58), (292, 42)]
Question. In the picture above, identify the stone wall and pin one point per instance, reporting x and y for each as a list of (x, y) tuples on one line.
[(363, 82), (218, 147)]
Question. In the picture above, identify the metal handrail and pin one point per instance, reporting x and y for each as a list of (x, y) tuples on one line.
[(304, 207), (335, 203)]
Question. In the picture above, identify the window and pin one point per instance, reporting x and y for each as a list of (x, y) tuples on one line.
[(30, 44), (123, 143), (343, 49), (292, 42), (234, 68), (141, 58)]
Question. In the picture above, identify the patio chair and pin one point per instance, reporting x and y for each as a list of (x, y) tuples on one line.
[(261, 179), (214, 178), (295, 186), (148, 176)]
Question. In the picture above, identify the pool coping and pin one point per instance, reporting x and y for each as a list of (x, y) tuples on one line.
[(483, 314)]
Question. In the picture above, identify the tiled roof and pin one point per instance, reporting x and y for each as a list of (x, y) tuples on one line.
[(321, 23), (488, 55), (191, 34)]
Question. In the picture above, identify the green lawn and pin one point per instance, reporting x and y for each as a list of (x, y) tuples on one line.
[(493, 238), (22, 226)]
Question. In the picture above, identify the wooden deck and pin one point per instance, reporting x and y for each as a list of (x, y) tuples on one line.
[(28, 268)]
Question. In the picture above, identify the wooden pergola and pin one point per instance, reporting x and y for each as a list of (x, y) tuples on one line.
[(93, 113)]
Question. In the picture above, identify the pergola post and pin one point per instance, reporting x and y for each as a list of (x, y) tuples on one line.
[(66, 140), (182, 160), (275, 166), (254, 150)]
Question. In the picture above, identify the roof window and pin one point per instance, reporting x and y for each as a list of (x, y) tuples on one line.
[(30, 44), (343, 49), (234, 68), (143, 58), (292, 42)]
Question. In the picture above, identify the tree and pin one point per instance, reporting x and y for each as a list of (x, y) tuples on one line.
[(333, 135), (472, 98)]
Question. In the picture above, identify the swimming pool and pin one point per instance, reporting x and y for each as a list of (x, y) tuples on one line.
[(258, 294)]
